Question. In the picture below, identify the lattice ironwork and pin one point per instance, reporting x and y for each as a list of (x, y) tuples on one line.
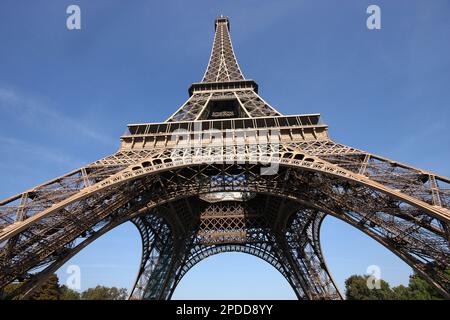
[(222, 64), (198, 185)]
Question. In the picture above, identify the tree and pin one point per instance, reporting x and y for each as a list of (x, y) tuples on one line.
[(401, 292), (104, 293), (7, 290), (419, 289), (357, 289), (69, 294), (50, 290)]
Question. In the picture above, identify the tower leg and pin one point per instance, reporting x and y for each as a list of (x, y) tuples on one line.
[(163, 253), (301, 248), (158, 245)]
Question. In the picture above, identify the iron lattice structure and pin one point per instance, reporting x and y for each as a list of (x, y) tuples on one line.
[(198, 184)]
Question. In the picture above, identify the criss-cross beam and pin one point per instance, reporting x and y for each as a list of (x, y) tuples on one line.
[(158, 245), (415, 210), (404, 208), (222, 64), (301, 245), (394, 223), (163, 245), (303, 265)]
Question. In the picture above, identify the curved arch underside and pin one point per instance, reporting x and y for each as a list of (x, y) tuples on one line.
[(276, 218), (237, 227)]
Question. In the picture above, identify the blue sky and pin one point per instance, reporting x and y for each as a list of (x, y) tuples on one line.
[(66, 97)]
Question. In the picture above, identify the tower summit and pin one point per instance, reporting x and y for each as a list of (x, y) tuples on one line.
[(223, 92), (191, 201), (222, 66)]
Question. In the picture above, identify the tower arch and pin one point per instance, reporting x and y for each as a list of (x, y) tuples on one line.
[(246, 176)]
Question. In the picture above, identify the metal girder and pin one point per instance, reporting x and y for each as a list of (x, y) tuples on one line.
[(222, 64), (302, 266), (406, 230), (195, 186)]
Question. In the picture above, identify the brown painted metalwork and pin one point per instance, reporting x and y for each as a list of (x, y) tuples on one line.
[(197, 185)]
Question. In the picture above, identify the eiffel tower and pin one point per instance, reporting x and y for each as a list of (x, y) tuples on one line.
[(228, 173)]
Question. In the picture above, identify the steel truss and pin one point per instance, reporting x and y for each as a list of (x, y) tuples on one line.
[(193, 200)]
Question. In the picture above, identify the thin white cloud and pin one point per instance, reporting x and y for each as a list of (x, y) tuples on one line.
[(40, 152), (31, 110)]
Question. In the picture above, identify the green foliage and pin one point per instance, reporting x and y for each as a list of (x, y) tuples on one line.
[(51, 290), (69, 294), (357, 289), (8, 289), (401, 292), (417, 289), (104, 293)]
